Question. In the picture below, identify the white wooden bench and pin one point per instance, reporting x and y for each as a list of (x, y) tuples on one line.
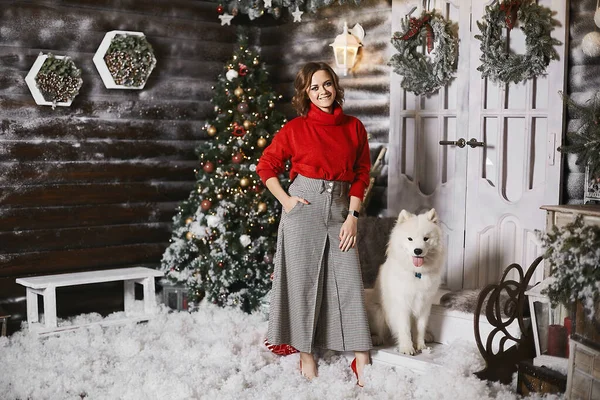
[(45, 286)]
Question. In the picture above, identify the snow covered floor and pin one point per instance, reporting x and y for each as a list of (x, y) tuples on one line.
[(213, 353)]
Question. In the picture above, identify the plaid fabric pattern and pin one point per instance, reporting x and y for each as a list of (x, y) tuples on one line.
[(317, 298)]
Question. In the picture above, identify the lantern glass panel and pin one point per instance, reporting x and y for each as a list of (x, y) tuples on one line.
[(552, 332)]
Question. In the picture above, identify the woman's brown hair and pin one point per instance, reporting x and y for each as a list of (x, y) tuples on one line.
[(301, 101)]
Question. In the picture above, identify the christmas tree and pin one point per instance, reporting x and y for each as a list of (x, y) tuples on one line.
[(224, 234)]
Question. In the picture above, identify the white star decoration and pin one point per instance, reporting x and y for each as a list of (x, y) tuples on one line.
[(225, 19), (268, 3), (297, 15)]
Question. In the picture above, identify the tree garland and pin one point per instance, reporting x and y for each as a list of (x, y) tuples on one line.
[(422, 75), (497, 63)]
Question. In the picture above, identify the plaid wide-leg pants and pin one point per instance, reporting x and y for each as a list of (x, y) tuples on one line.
[(317, 299)]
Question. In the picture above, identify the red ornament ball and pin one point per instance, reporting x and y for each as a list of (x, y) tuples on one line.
[(205, 205), (208, 167), (243, 107), (220, 8), (237, 158)]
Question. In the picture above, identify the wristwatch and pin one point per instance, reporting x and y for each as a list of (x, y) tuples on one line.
[(354, 213)]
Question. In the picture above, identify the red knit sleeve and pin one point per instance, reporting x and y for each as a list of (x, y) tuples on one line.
[(362, 165), (274, 156)]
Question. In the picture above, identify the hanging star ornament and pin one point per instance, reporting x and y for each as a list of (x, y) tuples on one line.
[(268, 3), (297, 15), (225, 19)]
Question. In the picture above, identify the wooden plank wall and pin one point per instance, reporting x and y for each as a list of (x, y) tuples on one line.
[(583, 82), (286, 47), (95, 185)]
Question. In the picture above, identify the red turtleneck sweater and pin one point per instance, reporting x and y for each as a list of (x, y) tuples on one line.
[(326, 146)]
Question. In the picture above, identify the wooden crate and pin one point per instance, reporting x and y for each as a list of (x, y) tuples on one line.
[(532, 379), (583, 381)]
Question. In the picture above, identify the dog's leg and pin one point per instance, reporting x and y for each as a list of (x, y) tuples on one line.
[(399, 324), (421, 328)]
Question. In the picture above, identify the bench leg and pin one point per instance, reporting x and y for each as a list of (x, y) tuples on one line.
[(149, 296), (129, 295), (32, 307), (50, 307)]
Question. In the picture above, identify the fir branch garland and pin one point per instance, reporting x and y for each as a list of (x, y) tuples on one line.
[(497, 63), (420, 74), (573, 253), (585, 141)]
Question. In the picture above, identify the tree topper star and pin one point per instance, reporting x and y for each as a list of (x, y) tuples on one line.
[(225, 19), (297, 15)]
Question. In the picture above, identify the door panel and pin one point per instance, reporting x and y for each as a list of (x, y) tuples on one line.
[(422, 174), (509, 179)]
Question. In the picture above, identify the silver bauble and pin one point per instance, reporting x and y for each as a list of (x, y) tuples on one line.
[(590, 45)]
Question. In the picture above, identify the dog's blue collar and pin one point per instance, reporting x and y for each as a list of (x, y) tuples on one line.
[(418, 275)]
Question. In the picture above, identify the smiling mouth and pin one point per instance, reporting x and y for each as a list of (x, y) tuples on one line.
[(325, 98)]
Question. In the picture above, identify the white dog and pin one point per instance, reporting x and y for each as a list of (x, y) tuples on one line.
[(407, 282)]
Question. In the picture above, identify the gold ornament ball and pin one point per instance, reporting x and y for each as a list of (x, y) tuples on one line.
[(271, 220), (189, 221), (255, 62), (247, 124), (211, 130), (271, 104), (220, 196), (244, 182), (238, 91), (189, 236), (261, 142), (262, 207)]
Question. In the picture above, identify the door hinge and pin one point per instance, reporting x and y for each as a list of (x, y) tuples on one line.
[(471, 22), (464, 238)]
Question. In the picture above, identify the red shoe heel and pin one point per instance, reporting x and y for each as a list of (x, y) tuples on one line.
[(353, 366)]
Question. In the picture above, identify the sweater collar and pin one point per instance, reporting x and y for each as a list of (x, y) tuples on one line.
[(321, 117)]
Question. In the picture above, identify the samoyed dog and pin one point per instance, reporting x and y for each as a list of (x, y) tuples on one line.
[(407, 283)]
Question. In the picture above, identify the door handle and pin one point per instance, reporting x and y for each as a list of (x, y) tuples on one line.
[(460, 143), (474, 143)]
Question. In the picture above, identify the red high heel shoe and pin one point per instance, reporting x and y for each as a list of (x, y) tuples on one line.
[(353, 366)]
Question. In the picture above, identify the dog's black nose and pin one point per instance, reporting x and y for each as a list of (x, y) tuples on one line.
[(418, 252)]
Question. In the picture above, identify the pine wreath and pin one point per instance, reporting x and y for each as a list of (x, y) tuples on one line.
[(497, 63), (422, 75)]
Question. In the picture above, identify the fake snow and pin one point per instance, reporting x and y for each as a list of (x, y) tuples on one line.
[(214, 353)]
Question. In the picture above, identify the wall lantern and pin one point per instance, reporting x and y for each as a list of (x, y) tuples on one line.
[(175, 296), (551, 329), (345, 46)]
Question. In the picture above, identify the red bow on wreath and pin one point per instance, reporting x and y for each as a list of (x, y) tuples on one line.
[(415, 25), (510, 8)]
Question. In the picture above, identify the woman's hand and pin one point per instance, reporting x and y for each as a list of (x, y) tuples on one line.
[(291, 201), (348, 233)]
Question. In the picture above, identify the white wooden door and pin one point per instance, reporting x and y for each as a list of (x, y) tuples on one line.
[(518, 170), (422, 174), (487, 220)]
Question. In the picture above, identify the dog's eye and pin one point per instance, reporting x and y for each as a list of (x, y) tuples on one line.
[(410, 239), (425, 239)]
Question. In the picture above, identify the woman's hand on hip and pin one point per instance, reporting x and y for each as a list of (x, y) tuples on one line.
[(348, 233), (291, 201)]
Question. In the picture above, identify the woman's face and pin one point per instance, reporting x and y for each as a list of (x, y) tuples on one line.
[(321, 91)]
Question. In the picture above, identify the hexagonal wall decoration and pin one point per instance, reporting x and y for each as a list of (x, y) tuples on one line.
[(54, 80), (124, 60)]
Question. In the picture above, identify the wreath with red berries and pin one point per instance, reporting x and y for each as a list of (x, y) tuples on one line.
[(421, 73), (497, 62)]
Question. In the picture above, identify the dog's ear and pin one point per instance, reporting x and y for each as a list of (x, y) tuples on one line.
[(404, 215), (432, 216)]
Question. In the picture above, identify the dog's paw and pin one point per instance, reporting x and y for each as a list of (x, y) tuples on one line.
[(407, 349), (377, 340), (421, 346)]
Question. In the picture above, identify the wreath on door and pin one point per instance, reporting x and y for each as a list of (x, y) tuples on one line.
[(421, 74), (497, 63)]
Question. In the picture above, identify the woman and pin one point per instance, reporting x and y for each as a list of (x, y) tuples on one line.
[(317, 297)]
